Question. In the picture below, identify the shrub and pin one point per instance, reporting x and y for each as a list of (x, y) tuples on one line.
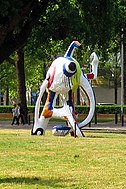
[(100, 109)]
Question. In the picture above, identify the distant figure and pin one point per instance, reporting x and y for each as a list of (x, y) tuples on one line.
[(15, 115), (21, 113)]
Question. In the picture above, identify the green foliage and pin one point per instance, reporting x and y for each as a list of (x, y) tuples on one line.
[(101, 109), (109, 109), (58, 19), (8, 78), (54, 24), (6, 109), (9, 9), (96, 16), (31, 109)]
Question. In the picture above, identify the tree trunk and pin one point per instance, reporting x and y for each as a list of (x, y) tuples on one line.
[(78, 96), (116, 83), (115, 91), (45, 92), (21, 88), (7, 95), (124, 59)]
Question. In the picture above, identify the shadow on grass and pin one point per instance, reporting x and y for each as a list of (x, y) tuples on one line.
[(91, 136), (35, 180)]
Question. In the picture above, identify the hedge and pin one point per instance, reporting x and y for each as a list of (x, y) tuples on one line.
[(100, 109)]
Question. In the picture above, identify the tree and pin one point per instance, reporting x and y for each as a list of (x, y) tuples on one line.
[(17, 19), (8, 80), (104, 19), (54, 24), (21, 88)]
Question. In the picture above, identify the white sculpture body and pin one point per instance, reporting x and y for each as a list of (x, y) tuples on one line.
[(63, 77)]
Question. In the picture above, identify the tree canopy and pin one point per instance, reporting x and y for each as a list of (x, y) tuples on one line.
[(45, 29), (96, 22), (17, 19)]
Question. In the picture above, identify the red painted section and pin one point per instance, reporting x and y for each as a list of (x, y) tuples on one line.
[(52, 76), (90, 75)]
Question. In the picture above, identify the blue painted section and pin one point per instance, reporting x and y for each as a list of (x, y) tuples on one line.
[(71, 48), (60, 127), (50, 107), (69, 58)]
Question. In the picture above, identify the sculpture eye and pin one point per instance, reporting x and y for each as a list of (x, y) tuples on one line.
[(72, 66), (69, 69)]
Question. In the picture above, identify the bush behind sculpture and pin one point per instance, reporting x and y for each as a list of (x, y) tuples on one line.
[(100, 109)]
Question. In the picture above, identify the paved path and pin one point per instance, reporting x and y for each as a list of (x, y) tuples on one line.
[(106, 127), (99, 127)]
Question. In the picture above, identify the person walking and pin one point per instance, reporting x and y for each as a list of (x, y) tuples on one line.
[(21, 113), (15, 115)]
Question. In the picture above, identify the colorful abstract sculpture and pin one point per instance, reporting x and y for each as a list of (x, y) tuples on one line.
[(63, 77)]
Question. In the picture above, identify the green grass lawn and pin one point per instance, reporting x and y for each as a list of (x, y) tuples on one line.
[(96, 161)]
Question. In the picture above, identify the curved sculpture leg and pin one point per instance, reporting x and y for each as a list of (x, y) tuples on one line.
[(41, 122), (40, 127), (76, 130), (66, 113), (84, 83)]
